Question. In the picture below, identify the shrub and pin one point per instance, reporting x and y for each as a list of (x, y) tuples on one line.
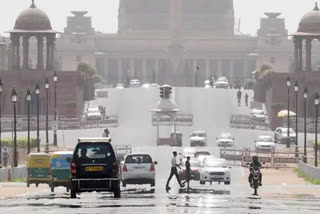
[(21, 142)]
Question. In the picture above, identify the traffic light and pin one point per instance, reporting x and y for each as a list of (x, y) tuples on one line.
[(162, 92), (165, 91)]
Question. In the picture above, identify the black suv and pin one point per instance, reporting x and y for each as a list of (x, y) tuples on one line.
[(94, 167)]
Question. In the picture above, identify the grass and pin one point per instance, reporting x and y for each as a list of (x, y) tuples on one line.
[(20, 180), (306, 178)]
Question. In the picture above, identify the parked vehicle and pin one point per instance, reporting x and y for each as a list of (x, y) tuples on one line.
[(281, 135), (222, 82), (258, 115), (39, 169), (195, 166), (94, 167), (225, 140), (189, 151), (201, 152), (198, 138), (60, 169), (138, 169), (207, 84), (94, 113), (265, 143), (135, 83), (215, 170), (119, 86), (202, 158)]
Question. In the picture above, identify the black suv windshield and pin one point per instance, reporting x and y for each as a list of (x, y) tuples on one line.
[(94, 153)]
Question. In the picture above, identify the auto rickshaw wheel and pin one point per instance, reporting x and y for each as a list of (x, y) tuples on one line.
[(68, 189), (52, 188), (37, 184), (117, 193), (73, 193), (28, 184)]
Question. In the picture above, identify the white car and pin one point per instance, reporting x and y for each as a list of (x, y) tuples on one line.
[(135, 83), (265, 143), (119, 85), (258, 115), (281, 135), (225, 140), (155, 85), (215, 170), (207, 84), (138, 169), (198, 138), (191, 152), (94, 113), (222, 82), (146, 85), (201, 158)]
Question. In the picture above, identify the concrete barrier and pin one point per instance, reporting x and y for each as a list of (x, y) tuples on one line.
[(16, 173), (310, 171)]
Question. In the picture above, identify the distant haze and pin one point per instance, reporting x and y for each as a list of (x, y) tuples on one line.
[(104, 13)]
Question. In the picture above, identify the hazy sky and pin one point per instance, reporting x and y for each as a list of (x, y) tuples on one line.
[(104, 13)]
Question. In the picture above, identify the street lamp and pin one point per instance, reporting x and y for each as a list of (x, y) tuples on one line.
[(37, 91), (296, 90), (288, 133), (316, 103), (14, 101), (1, 89), (55, 80), (46, 86), (28, 99), (305, 96)]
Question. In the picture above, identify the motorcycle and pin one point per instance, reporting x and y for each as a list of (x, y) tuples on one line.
[(255, 180)]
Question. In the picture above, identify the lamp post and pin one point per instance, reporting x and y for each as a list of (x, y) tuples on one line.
[(305, 96), (296, 90), (1, 88), (316, 103), (14, 101), (28, 99), (288, 133), (55, 80), (46, 86), (37, 91)]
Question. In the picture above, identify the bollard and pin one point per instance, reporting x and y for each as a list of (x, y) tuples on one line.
[(9, 175)]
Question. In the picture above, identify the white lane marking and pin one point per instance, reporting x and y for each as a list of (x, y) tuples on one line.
[(8, 210)]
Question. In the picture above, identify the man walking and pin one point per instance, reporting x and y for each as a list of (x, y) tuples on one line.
[(174, 171), (5, 156), (246, 98), (188, 173)]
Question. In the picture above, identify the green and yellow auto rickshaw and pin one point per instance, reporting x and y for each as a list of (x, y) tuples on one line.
[(39, 169), (60, 169)]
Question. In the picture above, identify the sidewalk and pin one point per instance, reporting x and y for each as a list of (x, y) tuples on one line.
[(13, 189)]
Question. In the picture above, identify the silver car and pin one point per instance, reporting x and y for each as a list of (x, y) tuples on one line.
[(265, 143), (225, 140)]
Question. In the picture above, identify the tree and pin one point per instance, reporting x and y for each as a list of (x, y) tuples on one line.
[(86, 69)]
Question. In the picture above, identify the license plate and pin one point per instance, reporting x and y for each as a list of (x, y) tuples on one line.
[(94, 168)]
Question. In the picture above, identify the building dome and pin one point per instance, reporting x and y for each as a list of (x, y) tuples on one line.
[(310, 22), (33, 19)]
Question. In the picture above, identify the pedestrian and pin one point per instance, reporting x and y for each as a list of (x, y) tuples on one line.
[(174, 171), (5, 156), (239, 96), (246, 98), (188, 173), (106, 132)]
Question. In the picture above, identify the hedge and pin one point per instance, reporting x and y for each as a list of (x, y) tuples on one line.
[(21, 142)]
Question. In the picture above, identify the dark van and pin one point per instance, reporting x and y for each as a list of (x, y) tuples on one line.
[(94, 167)]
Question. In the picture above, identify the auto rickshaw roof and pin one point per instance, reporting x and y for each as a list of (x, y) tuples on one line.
[(39, 154)]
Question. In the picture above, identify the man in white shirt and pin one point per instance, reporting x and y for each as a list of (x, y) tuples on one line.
[(174, 171)]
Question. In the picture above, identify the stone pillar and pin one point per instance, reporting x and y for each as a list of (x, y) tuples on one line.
[(144, 71), (156, 70), (25, 65), (219, 67), (48, 53), (300, 67), (52, 44), (132, 71), (308, 55), (18, 53), (106, 71), (245, 68), (120, 76), (208, 75), (40, 53), (232, 78), (296, 54)]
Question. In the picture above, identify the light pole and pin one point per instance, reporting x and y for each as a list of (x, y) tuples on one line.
[(28, 99), (288, 133), (38, 138), (46, 85), (296, 90), (1, 88), (316, 103), (14, 101), (305, 96), (55, 80)]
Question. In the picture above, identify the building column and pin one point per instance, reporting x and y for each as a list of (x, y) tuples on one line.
[(296, 54), (208, 75), (52, 52), (48, 53), (232, 78), (120, 76), (40, 53), (25, 65), (18, 53), (106, 71), (132, 70), (156, 70), (144, 70), (219, 67), (245, 68), (300, 44), (308, 55)]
